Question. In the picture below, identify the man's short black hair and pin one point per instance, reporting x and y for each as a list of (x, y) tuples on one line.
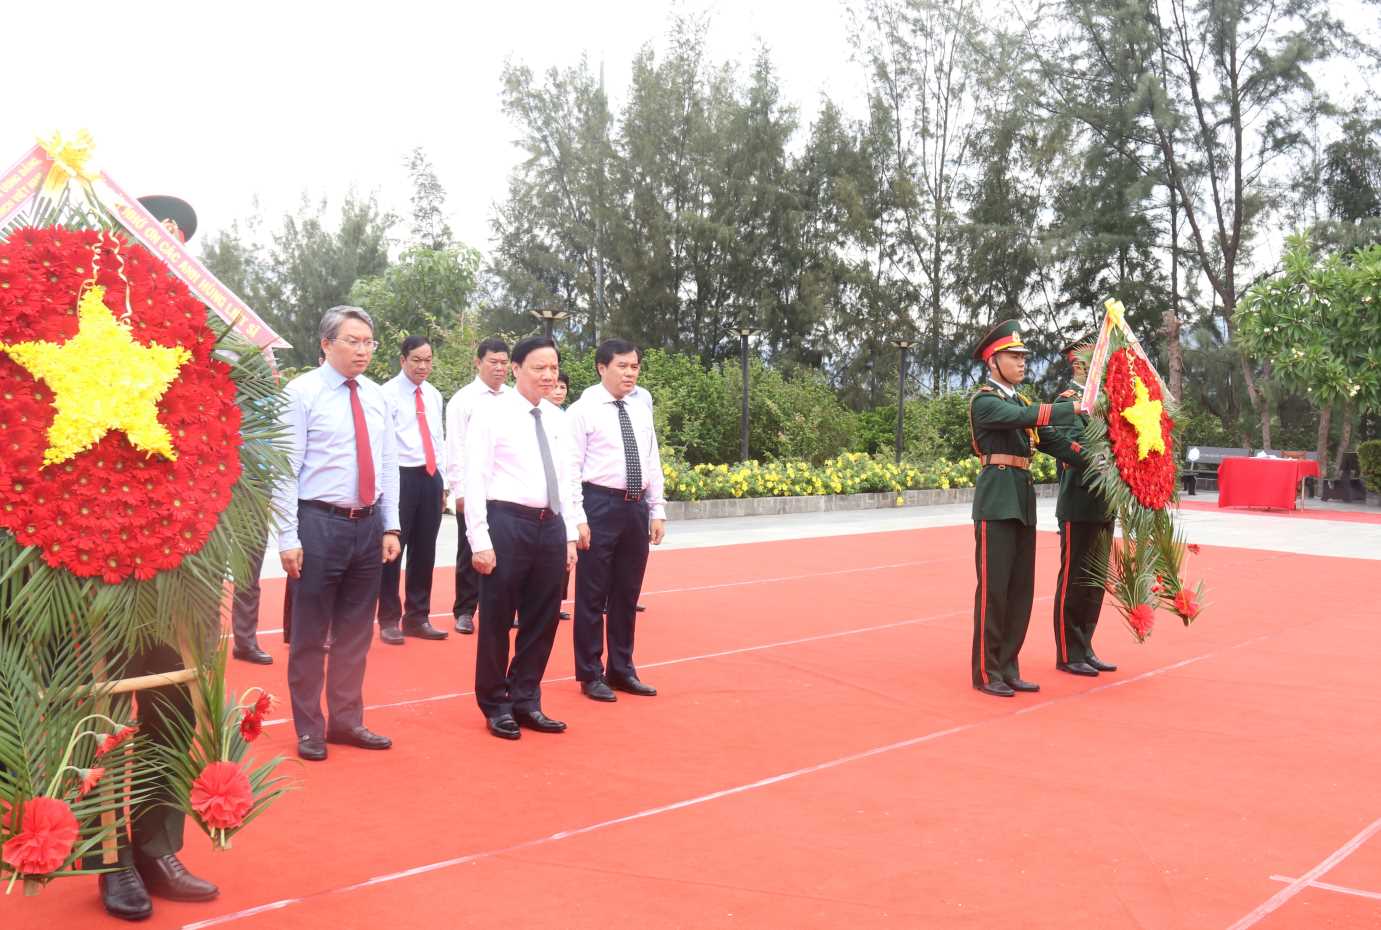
[(611, 347), (531, 344), (492, 345), (412, 344)]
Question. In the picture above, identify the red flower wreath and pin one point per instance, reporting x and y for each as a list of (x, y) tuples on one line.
[(111, 511), (1150, 479)]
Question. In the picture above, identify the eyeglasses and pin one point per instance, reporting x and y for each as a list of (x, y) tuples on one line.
[(353, 343)]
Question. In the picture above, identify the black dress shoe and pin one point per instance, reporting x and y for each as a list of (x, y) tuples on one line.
[(254, 655), (166, 877), (563, 615), (1077, 668), (423, 630), (1099, 664), (632, 685), (391, 635), (597, 690), (465, 624), (360, 738), (639, 608), (1021, 684), (124, 895), (996, 689), (536, 720), (312, 748), (504, 726)]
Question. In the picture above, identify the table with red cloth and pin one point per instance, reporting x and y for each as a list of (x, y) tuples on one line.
[(1247, 482)]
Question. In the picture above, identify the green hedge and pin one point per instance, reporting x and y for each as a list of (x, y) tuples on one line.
[(1369, 463), (850, 473)]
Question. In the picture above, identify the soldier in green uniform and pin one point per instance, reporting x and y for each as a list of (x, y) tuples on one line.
[(1005, 429), (1085, 534)]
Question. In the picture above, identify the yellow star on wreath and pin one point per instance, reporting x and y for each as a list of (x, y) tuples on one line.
[(102, 380), (1144, 415)]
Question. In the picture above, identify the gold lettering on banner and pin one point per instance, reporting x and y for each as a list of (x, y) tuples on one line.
[(9, 182), (30, 165), (251, 329)]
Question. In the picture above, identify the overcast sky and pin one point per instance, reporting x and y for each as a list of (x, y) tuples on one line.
[(222, 103)]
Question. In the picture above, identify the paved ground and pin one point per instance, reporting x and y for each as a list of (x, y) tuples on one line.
[(1242, 528)]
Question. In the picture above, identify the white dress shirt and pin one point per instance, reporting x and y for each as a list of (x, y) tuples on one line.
[(503, 462), (402, 395), (459, 410), (320, 428), (639, 393), (596, 449)]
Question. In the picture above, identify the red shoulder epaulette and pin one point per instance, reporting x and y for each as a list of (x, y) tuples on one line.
[(1069, 393)]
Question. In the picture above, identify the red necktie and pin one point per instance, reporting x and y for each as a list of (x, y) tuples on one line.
[(364, 458), (427, 446)]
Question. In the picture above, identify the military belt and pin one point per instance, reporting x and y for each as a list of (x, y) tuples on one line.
[(1011, 461)]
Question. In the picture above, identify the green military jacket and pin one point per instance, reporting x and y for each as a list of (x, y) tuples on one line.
[(1002, 425), (1078, 503)]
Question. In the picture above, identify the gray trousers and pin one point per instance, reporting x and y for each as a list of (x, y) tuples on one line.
[(335, 596), (244, 607)]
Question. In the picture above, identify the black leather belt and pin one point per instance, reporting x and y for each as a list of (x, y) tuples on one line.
[(349, 513), (532, 513), (611, 492)]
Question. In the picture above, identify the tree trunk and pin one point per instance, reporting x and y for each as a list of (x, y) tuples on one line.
[(1325, 421), (1173, 349), (1266, 406), (1345, 438)]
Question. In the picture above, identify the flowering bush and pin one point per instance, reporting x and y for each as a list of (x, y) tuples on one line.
[(850, 473)]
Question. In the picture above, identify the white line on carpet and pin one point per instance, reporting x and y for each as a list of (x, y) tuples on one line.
[(1304, 881)]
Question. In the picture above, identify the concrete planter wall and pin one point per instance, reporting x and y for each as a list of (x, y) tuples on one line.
[(822, 503)]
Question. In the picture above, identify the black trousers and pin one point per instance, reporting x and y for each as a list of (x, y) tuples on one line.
[(467, 579), (1005, 559), (530, 560), (335, 595), (244, 606), (1083, 547), (610, 571), (155, 826), (419, 516)]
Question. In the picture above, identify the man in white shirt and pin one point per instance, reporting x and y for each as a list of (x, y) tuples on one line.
[(416, 422), (491, 370), (338, 525), (522, 533), (639, 394), (620, 508)]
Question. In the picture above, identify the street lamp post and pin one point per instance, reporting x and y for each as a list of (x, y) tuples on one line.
[(743, 333), (549, 317), (902, 345)]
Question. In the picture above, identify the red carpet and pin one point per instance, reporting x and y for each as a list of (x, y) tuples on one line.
[(817, 759)]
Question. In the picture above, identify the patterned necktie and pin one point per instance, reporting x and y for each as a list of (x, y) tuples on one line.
[(364, 458), (632, 465), (548, 466), (426, 432)]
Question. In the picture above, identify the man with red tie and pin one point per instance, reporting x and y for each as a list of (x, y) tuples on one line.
[(338, 525), (417, 426)]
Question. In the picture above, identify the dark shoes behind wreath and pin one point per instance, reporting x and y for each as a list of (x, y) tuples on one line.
[(253, 655), (124, 895), (167, 877)]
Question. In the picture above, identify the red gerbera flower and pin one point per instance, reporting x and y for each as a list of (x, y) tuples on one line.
[(222, 795), (115, 739), (1141, 619), (1185, 605), (90, 779), (1193, 548), (46, 835), (264, 704), (251, 726)]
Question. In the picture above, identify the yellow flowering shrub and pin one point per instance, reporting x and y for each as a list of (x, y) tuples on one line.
[(849, 473)]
